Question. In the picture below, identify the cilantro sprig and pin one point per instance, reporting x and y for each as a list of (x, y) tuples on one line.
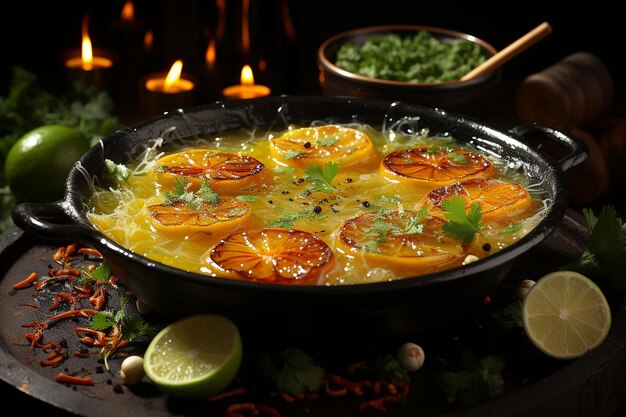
[(604, 257), (192, 200), (288, 219), (478, 382), (461, 226), (293, 371), (131, 327), (321, 179)]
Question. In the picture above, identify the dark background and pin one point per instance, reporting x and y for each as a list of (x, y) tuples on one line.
[(34, 35)]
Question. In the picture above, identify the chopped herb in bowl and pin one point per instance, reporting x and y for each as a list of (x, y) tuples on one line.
[(419, 58)]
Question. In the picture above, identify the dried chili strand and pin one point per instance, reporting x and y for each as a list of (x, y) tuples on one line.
[(27, 281), (68, 379)]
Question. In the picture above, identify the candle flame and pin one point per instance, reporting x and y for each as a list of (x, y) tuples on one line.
[(148, 40), (173, 75), (87, 51), (247, 78), (209, 56), (128, 11)]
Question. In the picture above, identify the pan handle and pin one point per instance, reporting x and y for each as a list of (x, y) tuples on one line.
[(51, 220), (578, 150)]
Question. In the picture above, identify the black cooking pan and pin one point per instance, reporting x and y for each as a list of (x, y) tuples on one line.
[(391, 308)]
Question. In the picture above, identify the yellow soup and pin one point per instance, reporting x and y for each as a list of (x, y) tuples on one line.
[(318, 205)]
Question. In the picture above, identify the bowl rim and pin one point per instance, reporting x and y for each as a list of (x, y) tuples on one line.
[(323, 60)]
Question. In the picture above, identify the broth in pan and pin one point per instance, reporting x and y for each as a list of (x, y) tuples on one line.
[(325, 204)]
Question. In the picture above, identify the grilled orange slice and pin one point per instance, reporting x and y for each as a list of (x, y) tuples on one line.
[(435, 166), (227, 173), (318, 145), (180, 218), (283, 256), (402, 241), (500, 202)]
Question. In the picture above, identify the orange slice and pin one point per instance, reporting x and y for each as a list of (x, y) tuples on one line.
[(435, 166), (399, 241), (284, 256), (317, 145), (179, 217), (500, 202), (227, 173)]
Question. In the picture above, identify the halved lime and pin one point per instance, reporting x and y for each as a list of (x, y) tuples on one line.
[(197, 356), (565, 314)]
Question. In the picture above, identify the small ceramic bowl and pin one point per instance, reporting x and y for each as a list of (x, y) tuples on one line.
[(474, 97)]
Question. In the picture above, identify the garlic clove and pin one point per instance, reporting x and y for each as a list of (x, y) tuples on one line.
[(411, 356), (132, 371)]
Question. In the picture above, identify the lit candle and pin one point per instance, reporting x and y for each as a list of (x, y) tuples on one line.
[(87, 61), (172, 83), (161, 92), (84, 64), (247, 88)]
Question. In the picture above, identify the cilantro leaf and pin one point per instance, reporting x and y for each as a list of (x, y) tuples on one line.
[(389, 369), (457, 159), (293, 371), (290, 154), (329, 141), (131, 327), (247, 198), (510, 316), (604, 257), (479, 382), (413, 226), (283, 170), (288, 219), (321, 179), (180, 185), (461, 226), (206, 193)]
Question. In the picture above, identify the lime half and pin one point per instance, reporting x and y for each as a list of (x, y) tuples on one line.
[(197, 356), (565, 314)]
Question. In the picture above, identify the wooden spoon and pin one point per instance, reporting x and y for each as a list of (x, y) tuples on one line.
[(510, 51)]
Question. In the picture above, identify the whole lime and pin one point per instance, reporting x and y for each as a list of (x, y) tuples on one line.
[(37, 164)]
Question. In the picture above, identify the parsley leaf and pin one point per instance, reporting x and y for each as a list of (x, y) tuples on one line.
[(321, 179), (461, 226), (293, 371), (512, 228)]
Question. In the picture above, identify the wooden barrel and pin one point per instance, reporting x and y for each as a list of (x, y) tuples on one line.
[(576, 91)]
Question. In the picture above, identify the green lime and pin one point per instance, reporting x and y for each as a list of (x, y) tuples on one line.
[(194, 357), (37, 165), (565, 314)]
